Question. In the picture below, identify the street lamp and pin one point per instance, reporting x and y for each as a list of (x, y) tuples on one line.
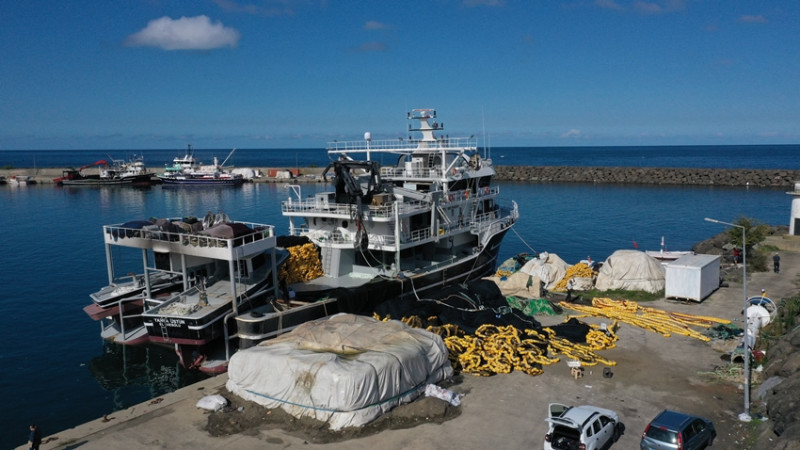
[(745, 416)]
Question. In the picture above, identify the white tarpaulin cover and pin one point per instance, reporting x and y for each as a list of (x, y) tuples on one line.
[(549, 267), (345, 370), (631, 270), (518, 284)]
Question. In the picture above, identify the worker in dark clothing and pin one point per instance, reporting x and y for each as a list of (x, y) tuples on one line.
[(776, 262), (34, 437)]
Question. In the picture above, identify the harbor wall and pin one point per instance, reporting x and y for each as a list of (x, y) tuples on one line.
[(776, 178), (771, 178)]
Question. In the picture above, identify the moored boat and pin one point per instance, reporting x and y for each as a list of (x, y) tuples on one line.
[(666, 256), (21, 180), (392, 232), (187, 171), (116, 172), (196, 274)]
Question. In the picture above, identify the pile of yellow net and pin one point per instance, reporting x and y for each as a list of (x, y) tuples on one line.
[(656, 320), (502, 349), (579, 270), (303, 264)]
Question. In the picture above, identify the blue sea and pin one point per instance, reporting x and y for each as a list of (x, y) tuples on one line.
[(705, 156), (59, 373)]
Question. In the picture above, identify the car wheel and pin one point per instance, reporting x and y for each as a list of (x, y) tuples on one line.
[(711, 440), (619, 430)]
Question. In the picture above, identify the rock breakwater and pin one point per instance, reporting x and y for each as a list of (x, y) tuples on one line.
[(773, 178), (769, 178)]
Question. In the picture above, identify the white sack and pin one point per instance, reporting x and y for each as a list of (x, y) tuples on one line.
[(212, 402), (345, 369)]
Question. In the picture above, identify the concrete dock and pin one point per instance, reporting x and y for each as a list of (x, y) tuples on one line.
[(653, 373)]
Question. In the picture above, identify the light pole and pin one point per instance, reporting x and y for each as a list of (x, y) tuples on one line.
[(744, 417)]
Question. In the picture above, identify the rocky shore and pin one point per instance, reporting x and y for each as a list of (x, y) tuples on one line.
[(768, 178)]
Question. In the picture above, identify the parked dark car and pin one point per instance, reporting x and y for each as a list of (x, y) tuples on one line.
[(672, 430)]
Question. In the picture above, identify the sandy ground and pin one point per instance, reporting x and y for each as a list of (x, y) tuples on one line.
[(505, 411)]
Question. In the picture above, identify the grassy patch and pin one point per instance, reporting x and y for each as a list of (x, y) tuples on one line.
[(788, 312), (768, 248), (619, 294)]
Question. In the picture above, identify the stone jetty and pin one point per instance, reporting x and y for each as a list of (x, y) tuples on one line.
[(769, 178), (774, 178)]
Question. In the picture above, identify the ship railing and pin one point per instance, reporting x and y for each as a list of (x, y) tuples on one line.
[(413, 172), (418, 235), (328, 237), (117, 234), (500, 218), (322, 236), (389, 240), (348, 210), (316, 207), (402, 145), (406, 207), (454, 196)]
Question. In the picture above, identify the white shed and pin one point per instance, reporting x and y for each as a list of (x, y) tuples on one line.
[(692, 277)]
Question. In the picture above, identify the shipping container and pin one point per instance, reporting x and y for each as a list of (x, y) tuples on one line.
[(692, 277)]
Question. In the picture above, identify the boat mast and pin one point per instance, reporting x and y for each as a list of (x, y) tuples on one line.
[(229, 156)]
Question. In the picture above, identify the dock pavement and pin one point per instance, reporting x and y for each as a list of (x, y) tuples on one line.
[(652, 373)]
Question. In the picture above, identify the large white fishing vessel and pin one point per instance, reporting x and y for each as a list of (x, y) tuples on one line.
[(405, 217)]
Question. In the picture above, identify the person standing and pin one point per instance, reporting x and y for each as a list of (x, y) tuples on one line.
[(34, 438), (736, 256), (776, 262)]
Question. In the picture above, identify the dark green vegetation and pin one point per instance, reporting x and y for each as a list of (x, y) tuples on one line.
[(619, 294)]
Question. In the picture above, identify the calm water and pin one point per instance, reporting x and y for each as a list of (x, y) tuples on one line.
[(59, 373), (707, 156)]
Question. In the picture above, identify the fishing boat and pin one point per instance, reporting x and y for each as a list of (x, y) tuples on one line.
[(116, 172), (196, 274), (404, 218), (666, 256), (21, 180), (187, 171)]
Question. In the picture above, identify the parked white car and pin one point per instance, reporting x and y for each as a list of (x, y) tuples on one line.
[(581, 428)]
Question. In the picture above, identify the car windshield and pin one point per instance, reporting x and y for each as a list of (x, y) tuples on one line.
[(662, 435)]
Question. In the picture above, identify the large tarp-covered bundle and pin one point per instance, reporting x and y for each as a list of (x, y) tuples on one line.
[(631, 270), (549, 267), (345, 370), (227, 230)]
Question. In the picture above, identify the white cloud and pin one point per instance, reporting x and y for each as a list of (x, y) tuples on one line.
[(573, 133), (753, 19), (608, 4), (648, 8), (375, 25), (186, 33)]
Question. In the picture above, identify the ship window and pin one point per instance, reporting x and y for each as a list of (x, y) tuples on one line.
[(344, 224)]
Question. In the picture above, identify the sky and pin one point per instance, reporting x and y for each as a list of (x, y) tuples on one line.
[(161, 74)]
